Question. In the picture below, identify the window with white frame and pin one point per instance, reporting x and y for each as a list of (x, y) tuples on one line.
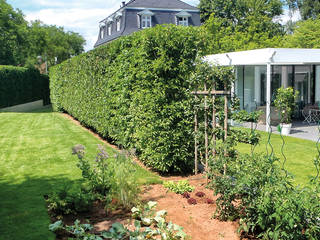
[(118, 24), (183, 21), (101, 32), (109, 29), (145, 21)]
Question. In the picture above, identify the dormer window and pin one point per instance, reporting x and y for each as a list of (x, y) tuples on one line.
[(183, 21), (109, 23), (118, 17), (102, 30), (145, 19), (118, 24), (182, 18)]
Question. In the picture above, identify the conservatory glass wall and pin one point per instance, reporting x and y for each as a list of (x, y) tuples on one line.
[(251, 89)]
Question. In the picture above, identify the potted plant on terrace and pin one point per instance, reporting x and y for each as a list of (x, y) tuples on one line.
[(285, 102)]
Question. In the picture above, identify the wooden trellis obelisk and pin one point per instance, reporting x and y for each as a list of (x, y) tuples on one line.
[(213, 93)]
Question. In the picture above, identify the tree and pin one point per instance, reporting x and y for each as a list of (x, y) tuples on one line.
[(308, 8), (237, 10), (21, 43), (53, 42), (306, 35), (234, 25), (255, 32), (13, 31)]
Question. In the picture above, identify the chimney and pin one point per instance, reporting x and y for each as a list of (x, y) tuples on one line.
[(123, 4)]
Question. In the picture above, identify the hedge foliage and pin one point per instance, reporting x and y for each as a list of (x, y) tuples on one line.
[(20, 85), (136, 90)]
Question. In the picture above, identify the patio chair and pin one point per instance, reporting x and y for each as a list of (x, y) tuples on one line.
[(311, 114)]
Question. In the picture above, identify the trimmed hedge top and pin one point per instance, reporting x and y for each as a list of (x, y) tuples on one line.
[(135, 90), (19, 85)]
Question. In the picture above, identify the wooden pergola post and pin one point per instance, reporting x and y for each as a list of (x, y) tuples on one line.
[(214, 123), (207, 93), (225, 127), (195, 139), (206, 130)]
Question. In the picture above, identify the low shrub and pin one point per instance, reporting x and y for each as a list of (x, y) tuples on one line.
[(179, 187), (69, 200), (20, 85), (259, 193), (109, 177), (105, 179)]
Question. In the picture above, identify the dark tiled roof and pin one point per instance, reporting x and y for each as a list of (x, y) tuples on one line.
[(169, 4), (129, 22)]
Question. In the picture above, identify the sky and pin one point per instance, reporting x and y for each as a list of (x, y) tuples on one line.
[(81, 16)]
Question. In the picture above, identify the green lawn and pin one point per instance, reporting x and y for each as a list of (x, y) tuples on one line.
[(300, 154), (35, 156)]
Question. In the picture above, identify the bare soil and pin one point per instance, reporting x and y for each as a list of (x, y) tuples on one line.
[(196, 219)]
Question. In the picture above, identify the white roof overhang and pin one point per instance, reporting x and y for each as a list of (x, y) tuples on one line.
[(118, 15), (183, 14), (273, 56), (146, 12), (110, 20)]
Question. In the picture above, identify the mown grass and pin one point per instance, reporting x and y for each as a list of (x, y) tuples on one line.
[(35, 156), (300, 154)]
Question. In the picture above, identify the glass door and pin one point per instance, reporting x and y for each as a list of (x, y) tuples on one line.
[(302, 83)]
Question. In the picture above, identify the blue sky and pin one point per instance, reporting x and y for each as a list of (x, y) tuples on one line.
[(80, 16)]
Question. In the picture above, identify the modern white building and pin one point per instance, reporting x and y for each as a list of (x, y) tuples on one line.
[(259, 73)]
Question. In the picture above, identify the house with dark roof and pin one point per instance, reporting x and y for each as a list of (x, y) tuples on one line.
[(140, 14)]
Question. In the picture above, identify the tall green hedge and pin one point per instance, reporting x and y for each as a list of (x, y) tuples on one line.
[(20, 85), (136, 90)]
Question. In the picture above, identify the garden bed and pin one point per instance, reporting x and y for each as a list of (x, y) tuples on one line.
[(196, 219)]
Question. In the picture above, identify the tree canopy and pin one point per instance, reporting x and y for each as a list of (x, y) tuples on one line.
[(238, 10), (306, 34), (234, 25), (21, 42), (13, 29)]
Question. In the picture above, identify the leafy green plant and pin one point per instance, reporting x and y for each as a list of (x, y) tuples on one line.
[(258, 192), (285, 102), (125, 188), (100, 176), (179, 187), (78, 230), (110, 177), (244, 116), (69, 200), (161, 229)]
